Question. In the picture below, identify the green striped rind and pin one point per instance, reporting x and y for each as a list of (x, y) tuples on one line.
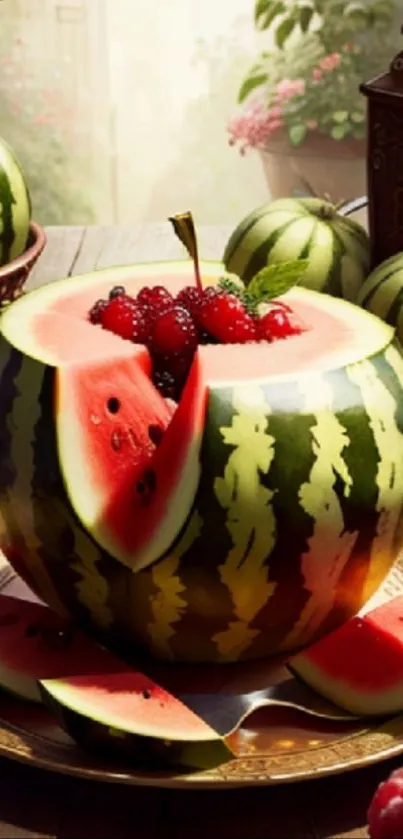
[(288, 229), (322, 451), (323, 455), (15, 204), (382, 293), (148, 752), (59, 562)]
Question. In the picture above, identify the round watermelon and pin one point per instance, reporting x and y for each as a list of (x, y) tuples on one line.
[(292, 228), (382, 293), (15, 206), (266, 510)]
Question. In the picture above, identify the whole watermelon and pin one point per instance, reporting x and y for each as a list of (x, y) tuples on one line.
[(308, 228), (265, 510), (382, 293), (15, 206)]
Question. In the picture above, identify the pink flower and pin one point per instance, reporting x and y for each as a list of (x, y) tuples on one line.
[(289, 88), (330, 62), (275, 113), (253, 126), (276, 124), (317, 74), (311, 124)]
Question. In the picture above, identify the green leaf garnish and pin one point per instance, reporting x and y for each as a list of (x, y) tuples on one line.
[(276, 279)]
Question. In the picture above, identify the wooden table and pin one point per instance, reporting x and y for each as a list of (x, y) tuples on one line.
[(36, 804)]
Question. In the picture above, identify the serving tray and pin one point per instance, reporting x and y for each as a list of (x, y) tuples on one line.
[(273, 746)]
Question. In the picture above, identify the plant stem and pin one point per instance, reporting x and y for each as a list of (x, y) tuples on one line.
[(184, 228)]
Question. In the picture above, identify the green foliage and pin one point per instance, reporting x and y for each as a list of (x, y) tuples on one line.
[(347, 16), (329, 47)]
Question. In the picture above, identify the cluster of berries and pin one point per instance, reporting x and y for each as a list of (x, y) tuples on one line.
[(173, 327)]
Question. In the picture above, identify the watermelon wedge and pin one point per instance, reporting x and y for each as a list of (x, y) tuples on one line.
[(359, 666), (99, 700)]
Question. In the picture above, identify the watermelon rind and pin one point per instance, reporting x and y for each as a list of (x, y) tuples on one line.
[(150, 752), (337, 248), (382, 293), (85, 703), (382, 703), (15, 204), (372, 336), (41, 298)]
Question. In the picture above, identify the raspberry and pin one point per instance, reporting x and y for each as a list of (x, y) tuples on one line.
[(124, 318), (278, 323), (385, 813), (225, 318), (155, 299), (174, 333), (95, 315), (191, 299)]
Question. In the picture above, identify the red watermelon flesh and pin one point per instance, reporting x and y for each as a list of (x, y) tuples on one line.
[(360, 665), (37, 646)]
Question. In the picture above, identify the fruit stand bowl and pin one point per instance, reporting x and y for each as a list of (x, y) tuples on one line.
[(15, 273)]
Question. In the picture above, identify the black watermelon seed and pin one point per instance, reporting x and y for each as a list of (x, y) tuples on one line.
[(155, 433), (113, 405), (147, 486)]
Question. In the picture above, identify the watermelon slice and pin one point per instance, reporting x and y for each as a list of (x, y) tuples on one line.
[(359, 666), (96, 697)]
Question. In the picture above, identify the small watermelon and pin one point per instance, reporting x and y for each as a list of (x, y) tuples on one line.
[(99, 700), (291, 228), (15, 204), (359, 666), (382, 293)]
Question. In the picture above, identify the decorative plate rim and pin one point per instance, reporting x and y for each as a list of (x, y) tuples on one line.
[(359, 750)]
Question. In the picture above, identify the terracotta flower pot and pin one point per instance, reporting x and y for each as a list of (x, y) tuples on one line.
[(328, 167)]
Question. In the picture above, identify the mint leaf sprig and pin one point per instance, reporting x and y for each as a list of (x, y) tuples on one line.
[(269, 283)]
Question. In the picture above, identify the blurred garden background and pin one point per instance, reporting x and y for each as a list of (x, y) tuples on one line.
[(122, 110)]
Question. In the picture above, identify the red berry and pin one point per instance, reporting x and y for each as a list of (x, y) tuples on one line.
[(278, 323), (95, 314), (174, 333), (124, 318), (385, 813), (155, 299), (190, 298), (225, 318)]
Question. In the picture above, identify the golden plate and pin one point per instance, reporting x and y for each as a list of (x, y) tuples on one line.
[(276, 746)]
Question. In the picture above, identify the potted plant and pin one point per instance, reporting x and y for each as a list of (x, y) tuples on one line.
[(300, 104)]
